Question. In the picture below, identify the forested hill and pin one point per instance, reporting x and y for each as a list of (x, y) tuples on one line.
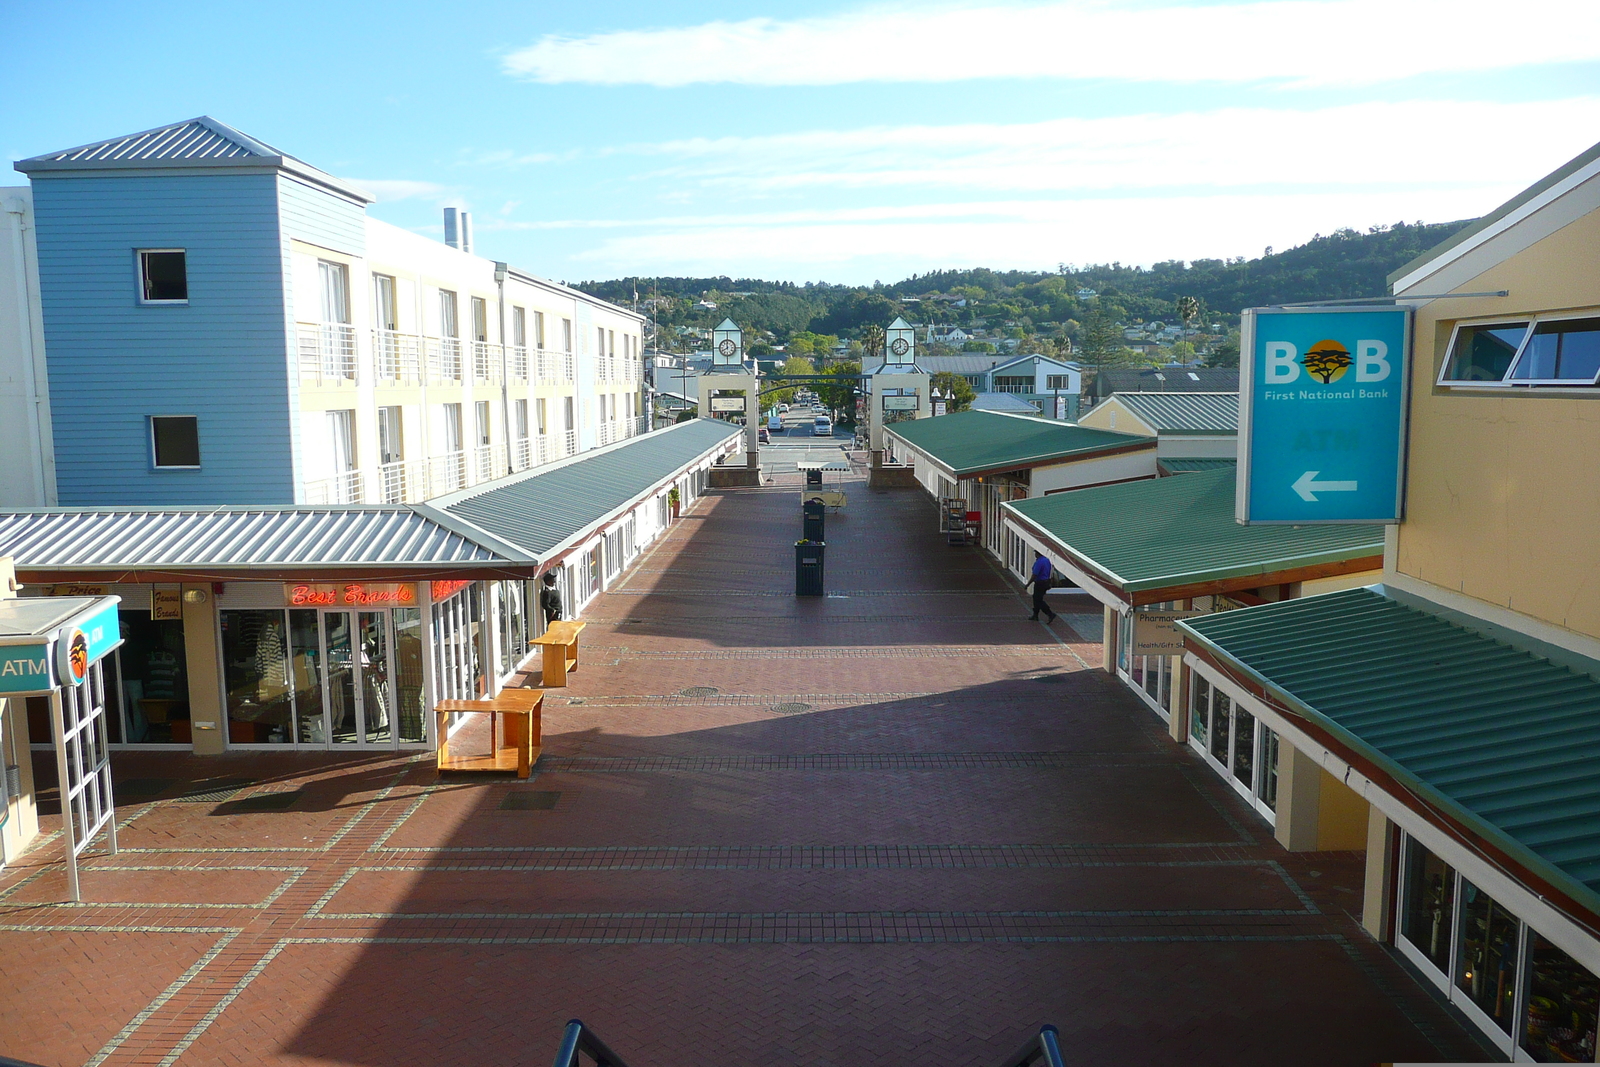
[(1336, 266)]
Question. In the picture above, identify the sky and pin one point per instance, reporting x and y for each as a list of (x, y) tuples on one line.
[(847, 142)]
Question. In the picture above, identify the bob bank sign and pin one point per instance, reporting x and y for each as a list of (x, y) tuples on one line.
[(1322, 415)]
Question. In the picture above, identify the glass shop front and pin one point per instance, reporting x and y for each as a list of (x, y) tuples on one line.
[(1531, 998)]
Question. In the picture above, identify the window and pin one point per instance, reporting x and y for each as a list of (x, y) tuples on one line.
[(447, 314), (1554, 351), (538, 330), (335, 278), (1427, 910), (480, 319), (391, 442), (519, 327), (175, 440), (482, 413), (566, 335), (542, 411), (385, 306), (452, 427), (163, 276), (1058, 381), (569, 413), (521, 410), (1486, 965), (342, 440)]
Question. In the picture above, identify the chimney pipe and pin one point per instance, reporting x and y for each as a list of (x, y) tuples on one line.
[(466, 231), (451, 236)]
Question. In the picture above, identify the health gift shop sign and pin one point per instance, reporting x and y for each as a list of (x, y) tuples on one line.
[(1322, 414)]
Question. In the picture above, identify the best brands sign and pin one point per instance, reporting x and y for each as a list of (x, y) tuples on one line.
[(1322, 415)]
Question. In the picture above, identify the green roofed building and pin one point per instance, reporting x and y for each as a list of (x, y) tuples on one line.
[(1186, 426), (985, 458)]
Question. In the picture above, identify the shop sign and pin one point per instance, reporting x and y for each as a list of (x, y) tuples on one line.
[(1322, 415), (166, 604), (899, 403), (79, 590), (727, 403), (352, 594), (1155, 633), (85, 641), (446, 590), (25, 669)]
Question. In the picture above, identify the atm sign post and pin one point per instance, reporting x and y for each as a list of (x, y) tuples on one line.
[(1322, 415)]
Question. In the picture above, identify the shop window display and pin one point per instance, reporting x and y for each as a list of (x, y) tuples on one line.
[(1200, 710), (1221, 716), (1486, 966), (255, 661), (1268, 789), (150, 669), (1244, 747), (1563, 1003), (410, 702), (1429, 907)]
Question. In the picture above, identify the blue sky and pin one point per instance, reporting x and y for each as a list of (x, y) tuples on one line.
[(848, 141)]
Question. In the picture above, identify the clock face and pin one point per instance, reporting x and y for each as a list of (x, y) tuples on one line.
[(727, 347), (900, 346)]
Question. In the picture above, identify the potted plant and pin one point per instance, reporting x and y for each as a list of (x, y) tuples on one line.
[(672, 500)]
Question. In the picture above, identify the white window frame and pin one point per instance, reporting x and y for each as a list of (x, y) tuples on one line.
[(138, 278), (1532, 322), (150, 428)]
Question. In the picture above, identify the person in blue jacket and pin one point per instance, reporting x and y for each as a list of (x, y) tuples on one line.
[(1043, 577)]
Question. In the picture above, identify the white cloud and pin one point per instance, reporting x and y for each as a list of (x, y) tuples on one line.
[(1304, 42), (860, 244), (1359, 145), (386, 189)]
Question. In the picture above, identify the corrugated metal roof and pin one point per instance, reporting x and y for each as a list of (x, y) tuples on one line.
[(150, 539), (539, 510), (960, 363), (1195, 466), (972, 442), (1506, 740), (1182, 413), (1166, 380), (199, 138), (1167, 532), (1002, 402)]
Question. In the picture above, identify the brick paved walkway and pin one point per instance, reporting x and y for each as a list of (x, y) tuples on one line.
[(899, 825)]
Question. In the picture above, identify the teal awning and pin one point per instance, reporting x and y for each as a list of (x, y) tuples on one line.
[(1505, 741)]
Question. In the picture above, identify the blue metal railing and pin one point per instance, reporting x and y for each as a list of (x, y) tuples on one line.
[(579, 1038), (1043, 1048)]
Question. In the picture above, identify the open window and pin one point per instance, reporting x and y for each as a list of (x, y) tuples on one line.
[(1540, 351), (163, 276), (175, 441)]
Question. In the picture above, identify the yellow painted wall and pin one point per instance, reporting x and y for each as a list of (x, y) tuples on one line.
[(1111, 415), (1341, 816), (1503, 499)]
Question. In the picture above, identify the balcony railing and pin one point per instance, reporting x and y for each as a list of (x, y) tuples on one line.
[(1013, 387), (608, 432), (400, 482), (569, 443), (485, 361), (327, 352), (447, 473), (396, 356), (517, 361), (544, 448), (444, 359), (488, 462), (342, 488), (569, 367), (522, 453)]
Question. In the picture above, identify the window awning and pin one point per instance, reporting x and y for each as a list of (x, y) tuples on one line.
[(1499, 741)]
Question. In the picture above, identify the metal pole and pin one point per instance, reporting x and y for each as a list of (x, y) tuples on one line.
[(69, 831)]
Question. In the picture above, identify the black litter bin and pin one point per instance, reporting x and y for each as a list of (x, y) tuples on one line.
[(808, 557), (813, 478), (813, 523)]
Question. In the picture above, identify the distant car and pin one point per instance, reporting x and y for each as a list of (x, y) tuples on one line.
[(822, 426), (775, 424), (763, 437), (783, 407)]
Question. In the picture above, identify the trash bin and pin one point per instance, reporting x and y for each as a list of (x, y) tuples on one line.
[(813, 523), (814, 478), (808, 556)]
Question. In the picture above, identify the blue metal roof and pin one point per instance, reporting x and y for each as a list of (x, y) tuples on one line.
[(1504, 740), (542, 508)]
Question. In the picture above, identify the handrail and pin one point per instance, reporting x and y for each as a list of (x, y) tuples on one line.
[(579, 1038), (1044, 1047)]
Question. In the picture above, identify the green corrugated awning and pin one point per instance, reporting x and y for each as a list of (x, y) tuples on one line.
[(539, 510), (1183, 413), (977, 442), (1506, 741), (1195, 466), (1170, 532)]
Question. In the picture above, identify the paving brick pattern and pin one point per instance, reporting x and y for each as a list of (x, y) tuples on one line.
[(898, 825)]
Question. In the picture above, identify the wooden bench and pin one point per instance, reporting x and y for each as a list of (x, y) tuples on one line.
[(514, 750), (560, 643)]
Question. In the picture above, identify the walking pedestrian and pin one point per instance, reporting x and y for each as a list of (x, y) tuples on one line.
[(550, 599), (1043, 577)]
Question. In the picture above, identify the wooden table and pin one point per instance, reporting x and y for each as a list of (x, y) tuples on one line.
[(514, 750), (560, 641)]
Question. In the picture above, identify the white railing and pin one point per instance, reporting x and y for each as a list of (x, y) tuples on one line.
[(343, 488), (444, 359), (569, 443), (396, 357), (545, 448), (487, 463), (446, 473), (327, 352), (608, 432), (517, 357), (639, 424), (400, 482), (546, 366), (1026, 388), (485, 361), (521, 453), (569, 367)]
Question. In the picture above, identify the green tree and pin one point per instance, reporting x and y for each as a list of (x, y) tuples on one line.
[(1100, 341), (792, 365), (840, 397), (957, 388), (976, 346), (1226, 353)]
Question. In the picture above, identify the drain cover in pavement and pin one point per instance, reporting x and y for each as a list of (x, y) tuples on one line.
[(530, 800), (279, 801), (699, 691), (213, 791), (792, 709)]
